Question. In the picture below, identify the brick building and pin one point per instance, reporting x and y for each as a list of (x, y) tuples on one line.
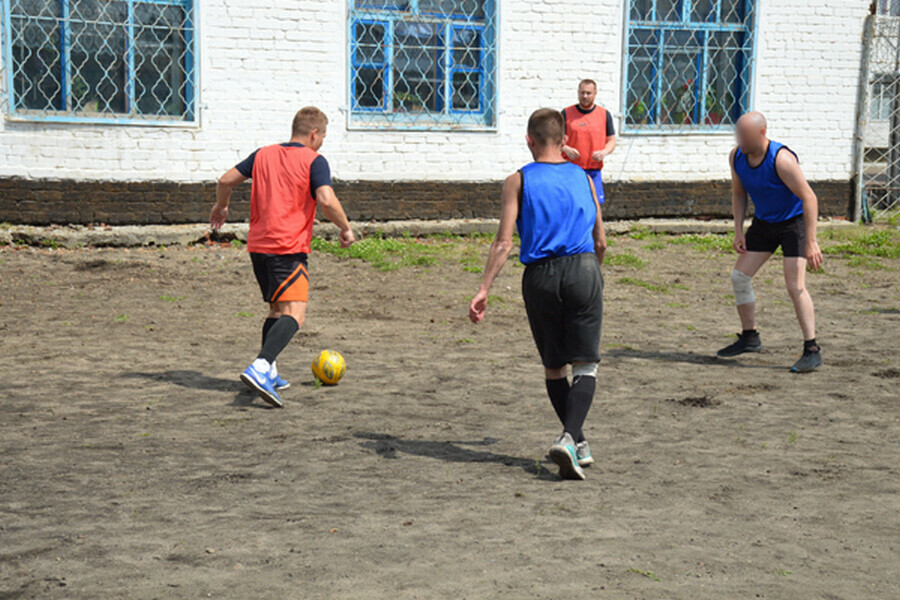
[(124, 112)]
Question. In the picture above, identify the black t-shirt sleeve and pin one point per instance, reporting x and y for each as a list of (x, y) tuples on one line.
[(245, 167), (610, 125), (319, 174)]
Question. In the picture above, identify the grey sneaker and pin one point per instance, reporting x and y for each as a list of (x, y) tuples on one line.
[(583, 454), (745, 343), (562, 452), (810, 361)]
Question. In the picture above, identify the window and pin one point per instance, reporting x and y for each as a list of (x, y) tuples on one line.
[(121, 61), (888, 8), (422, 64), (688, 64)]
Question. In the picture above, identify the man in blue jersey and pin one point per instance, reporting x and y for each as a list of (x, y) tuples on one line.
[(785, 214), (553, 204)]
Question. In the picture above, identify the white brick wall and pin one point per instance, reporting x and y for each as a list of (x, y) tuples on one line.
[(258, 65)]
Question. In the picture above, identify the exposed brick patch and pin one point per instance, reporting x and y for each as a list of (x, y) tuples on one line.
[(45, 201)]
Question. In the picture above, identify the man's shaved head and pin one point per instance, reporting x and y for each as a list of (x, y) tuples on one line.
[(750, 131), (754, 119)]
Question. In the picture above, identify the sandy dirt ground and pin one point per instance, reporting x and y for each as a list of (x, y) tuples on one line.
[(134, 464)]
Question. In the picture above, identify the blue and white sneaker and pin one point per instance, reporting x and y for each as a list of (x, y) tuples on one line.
[(583, 454), (563, 453), (261, 383), (280, 384)]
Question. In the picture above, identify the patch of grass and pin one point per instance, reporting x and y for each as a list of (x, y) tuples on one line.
[(390, 254), (168, 298), (655, 245), (626, 259), (244, 313), (120, 318), (705, 242), (792, 437), (643, 233), (237, 244), (465, 341), (864, 262), (862, 241), (652, 287), (647, 574), (472, 269)]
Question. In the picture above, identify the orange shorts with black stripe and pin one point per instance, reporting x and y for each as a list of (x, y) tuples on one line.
[(281, 277)]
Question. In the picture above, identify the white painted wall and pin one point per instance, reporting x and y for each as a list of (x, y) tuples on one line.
[(253, 79)]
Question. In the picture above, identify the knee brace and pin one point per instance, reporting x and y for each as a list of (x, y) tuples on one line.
[(743, 288), (584, 369)]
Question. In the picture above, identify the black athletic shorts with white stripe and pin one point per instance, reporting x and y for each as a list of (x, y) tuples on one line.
[(564, 301)]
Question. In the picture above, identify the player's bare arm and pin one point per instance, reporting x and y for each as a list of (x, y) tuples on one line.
[(792, 175), (599, 230), (600, 155), (333, 210), (501, 246), (224, 186), (739, 201)]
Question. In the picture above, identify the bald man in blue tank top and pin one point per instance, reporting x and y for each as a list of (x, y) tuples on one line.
[(785, 214)]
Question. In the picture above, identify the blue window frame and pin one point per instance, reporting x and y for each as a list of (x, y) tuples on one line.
[(422, 64), (688, 64), (101, 61)]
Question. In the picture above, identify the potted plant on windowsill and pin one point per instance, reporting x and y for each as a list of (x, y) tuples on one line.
[(408, 102), (80, 90), (638, 113), (714, 111)]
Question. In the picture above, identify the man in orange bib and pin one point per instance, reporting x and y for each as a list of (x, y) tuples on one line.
[(289, 181), (590, 134)]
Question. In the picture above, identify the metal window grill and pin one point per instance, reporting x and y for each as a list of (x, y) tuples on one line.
[(877, 152), (422, 64), (125, 61), (688, 64)]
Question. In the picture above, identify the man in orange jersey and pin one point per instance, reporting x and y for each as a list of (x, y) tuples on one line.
[(289, 180), (590, 133)]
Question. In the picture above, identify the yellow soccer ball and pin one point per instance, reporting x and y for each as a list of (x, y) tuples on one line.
[(329, 366)]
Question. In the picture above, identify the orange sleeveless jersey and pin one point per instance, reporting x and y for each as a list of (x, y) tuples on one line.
[(282, 208), (587, 134)]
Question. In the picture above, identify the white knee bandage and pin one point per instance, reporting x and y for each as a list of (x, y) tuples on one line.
[(584, 370), (743, 288)]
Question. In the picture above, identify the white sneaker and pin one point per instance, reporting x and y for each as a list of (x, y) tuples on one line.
[(583, 454), (562, 452)]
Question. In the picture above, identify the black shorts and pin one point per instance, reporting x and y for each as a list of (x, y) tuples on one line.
[(564, 302), (766, 237), (281, 277)]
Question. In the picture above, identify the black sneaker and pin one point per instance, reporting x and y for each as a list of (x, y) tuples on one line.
[(745, 343), (810, 361)]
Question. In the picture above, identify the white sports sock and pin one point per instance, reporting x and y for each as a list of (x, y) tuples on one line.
[(261, 365), (274, 370)]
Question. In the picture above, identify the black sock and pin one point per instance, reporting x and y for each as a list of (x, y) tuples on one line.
[(266, 327), (811, 345), (578, 404), (558, 390), (748, 333), (279, 336)]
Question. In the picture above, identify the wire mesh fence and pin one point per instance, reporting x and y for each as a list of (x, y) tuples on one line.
[(99, 60), (688, 63), (878, 139), (422, 64)]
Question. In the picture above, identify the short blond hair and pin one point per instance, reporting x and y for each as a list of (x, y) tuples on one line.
[(308, 119), (546, 127)]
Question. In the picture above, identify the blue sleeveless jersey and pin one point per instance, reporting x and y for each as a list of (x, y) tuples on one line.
[(558, 213), (773, 201)]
